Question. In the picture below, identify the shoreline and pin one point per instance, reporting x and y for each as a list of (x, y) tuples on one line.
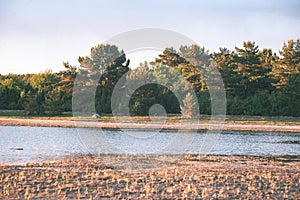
[(207, 177), (229, 126)]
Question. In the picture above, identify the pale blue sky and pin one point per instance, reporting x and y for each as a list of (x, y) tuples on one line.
[(36, 35)]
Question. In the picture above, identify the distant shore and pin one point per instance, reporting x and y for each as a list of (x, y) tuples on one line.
[(205, 125)]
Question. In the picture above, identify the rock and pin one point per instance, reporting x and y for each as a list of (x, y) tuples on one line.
[(96, 116), (17, 148)]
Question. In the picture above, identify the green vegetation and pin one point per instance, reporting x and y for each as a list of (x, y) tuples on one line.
[(257, 82)]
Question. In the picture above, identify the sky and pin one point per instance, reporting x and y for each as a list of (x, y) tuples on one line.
[(36, 35)]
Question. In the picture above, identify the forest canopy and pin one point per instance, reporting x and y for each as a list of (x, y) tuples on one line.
[(257, 81)]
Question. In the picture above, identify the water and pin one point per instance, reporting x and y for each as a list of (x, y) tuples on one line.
[(30, 144)]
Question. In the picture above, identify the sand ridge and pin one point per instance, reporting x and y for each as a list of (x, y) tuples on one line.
[(125, 125)]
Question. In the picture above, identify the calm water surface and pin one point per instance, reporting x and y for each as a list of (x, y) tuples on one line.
[(28, 144)]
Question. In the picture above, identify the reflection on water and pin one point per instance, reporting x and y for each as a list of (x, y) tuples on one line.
[(27, 144)]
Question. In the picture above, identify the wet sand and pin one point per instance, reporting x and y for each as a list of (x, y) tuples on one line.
[(190, 177), (124, 125)]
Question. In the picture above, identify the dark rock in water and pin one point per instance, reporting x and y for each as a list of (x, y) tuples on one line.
[(16, 148), (289, 142)]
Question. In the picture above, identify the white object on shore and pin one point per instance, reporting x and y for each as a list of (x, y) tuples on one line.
[(96, 116)]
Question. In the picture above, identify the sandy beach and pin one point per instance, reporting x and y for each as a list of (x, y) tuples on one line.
[(200, 126), (189, 177)]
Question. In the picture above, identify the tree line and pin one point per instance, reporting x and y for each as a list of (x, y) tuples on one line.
[(257, 81)]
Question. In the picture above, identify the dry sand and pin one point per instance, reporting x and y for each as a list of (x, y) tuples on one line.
[(190, 177), (200, 126)]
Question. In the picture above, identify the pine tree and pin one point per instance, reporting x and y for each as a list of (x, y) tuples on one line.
[(54, 102), (255, 77), (107, 63), (291, 56), (34, 103), (189, 107), (224, 61)]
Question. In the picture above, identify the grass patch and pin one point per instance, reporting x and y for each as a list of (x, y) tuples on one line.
[(263, 118), (12, 113)]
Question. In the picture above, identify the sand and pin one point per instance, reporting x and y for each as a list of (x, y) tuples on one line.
[(201, 126), (190, 177)]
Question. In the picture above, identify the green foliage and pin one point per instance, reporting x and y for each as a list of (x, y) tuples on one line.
[(204, 102), (291, 56), (257, 82), (136, 109), (291, 94), (44, 81), (194, 55), (67, 78), (143, 98), (54, 101), (34, 103), (254, 76), (108, 63), (11, 87), (224, 60), (169, 58)]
